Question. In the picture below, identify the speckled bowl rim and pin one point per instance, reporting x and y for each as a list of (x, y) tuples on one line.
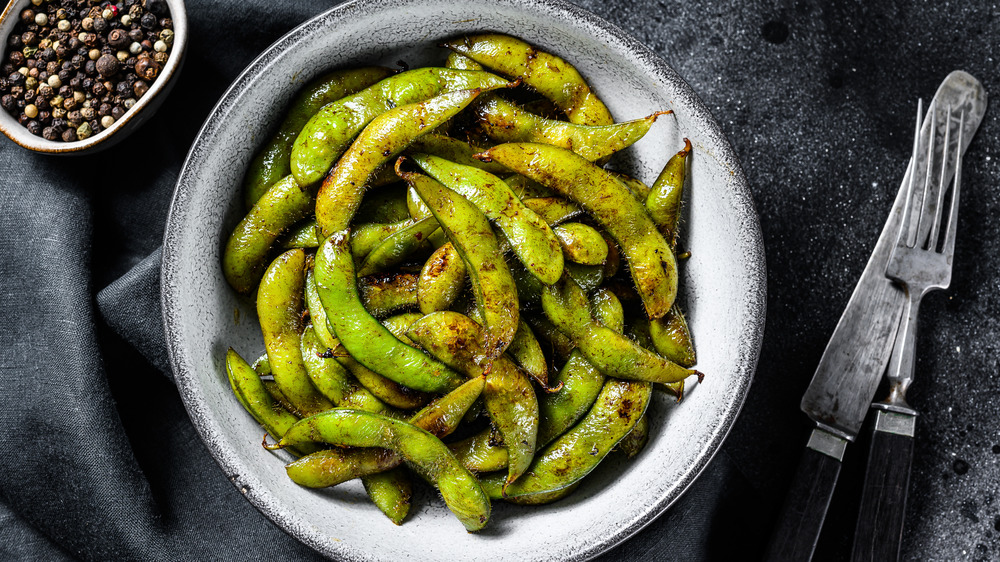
[(20, 135), (755, 296)]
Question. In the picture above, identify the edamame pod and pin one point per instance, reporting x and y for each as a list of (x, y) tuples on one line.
[(302, 235), (525, 350), (328, 133), (390, 491), (398, 246), (245, 256), (565, 304), (639, 332), (366, 237), (460, 62), (470, 233), (480, 453), (578, 451), (533, 242), (550, 75), (386, 204), (385, 137), (454, 150), (442, 279), (370, 343), (418, 210), (504, 121), (636, 439), (273, 162), (581, 243), (561, 345), (250, 391), (664, 200), (588, 277), (332, 379), (672, 339), (553, 210), (423, 452), (279, 308), (639, 190), (581, 381), (388, 293), (525, 188), (329, 468), (316, 313), (651, 261), (510, 400)]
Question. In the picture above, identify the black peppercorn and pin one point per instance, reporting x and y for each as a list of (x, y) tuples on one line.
[(44, 117), (105, 109), (17, 91), (42, 76), (8, 102), (42, 103), (7, 68), (90, 67), (148, 21), (16, 79), (130, 64), (15, 42), (29, 95), (69, 135), (50, 134), (100, 25), (65, 90), (97, 89), (23, 119), (77, 61), (52, 67), (95, 125), (59, 125), (123, 89), (73, 43), (29, 38), (118, 38), (65, 75), (117, 112), (90, 39), (136, 35), (107, 65), (35, 128), (75, 82), (61, 51), (16, 58), (158, 7), (28, 16), (140, 89), (47, 55), (167, 23)]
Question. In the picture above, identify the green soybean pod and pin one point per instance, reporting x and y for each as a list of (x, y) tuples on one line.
[(589, 277), (442, 279), (639, 332), (422, 451), (279, 308), (553, 210), (504, 121), (332, 379), (454, 150), (636, 440), (544, 498), (302, 235), (398, 246), (480, 453), (273, 161), (460, 62), (386, 204), (418, 210), (366, 237), (510, 400), (581, 381), (384, 388), (651, 261), (388, 293), (548, 74), (664, 200), (469, 231), (577, 452), (370, 343), (317, 314), (533, 242), (639, 190), (582, 244), (390, 491), (560, 345), (526, 188), (384, 138), (329, 132), (672, 339), (250, 391), (565, 304), (525, 350), (245, 255)]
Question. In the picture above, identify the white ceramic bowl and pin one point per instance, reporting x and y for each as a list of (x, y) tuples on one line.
[(144, 108), (723, 285)]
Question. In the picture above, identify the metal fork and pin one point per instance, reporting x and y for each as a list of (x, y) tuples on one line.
[(920, 262)]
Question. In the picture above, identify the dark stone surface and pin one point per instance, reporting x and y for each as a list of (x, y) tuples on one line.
[(818, 98)]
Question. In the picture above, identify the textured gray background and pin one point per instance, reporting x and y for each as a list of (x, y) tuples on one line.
[(818, 100)]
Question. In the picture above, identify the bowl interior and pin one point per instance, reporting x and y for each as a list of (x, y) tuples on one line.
[(133, 118), (723, 285)]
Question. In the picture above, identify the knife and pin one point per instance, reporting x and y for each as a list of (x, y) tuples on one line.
[(847, 376)]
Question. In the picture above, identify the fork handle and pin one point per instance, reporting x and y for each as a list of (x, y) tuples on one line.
[(879, 529)]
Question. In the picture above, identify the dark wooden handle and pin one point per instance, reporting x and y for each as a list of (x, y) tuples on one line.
[(883, 501), (801, 518)]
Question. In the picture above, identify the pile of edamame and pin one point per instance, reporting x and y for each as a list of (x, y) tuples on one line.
[(439, 251)]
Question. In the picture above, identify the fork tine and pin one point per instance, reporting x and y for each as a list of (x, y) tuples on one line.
[(904, 227), (932, 240), (921, 210), (951, 228)]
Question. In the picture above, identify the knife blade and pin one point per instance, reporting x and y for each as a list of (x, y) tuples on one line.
[(852, 364)]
